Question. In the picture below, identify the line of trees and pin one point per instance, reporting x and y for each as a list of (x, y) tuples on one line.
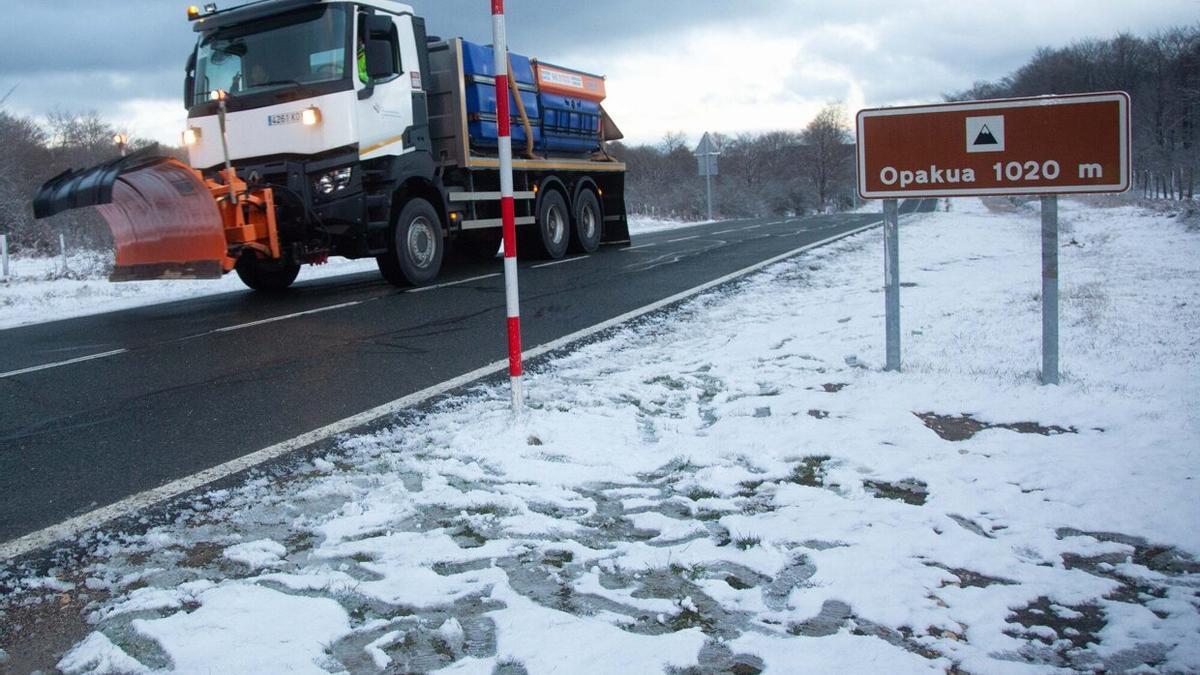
[(764, 174), (1161, 73)]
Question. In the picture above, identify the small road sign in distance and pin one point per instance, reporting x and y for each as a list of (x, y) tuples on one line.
[(1045, 145)]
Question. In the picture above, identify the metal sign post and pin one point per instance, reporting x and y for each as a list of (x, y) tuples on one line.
[(1044, 146), (1050, 289), (708, 190), (508, 206), (891, 280), (706, 154), (4, 256)]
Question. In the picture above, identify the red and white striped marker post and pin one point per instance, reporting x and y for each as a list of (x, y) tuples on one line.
[(507, 205)]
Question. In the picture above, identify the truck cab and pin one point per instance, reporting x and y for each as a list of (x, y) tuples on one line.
[(321, 102)]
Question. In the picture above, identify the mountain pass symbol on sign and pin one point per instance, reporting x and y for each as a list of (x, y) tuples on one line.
[(985, 134)]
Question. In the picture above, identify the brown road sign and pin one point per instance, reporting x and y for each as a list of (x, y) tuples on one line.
[(1044, 145)]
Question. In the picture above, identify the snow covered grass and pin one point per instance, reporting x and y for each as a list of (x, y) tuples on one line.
[(40, 290), (736, 484), (647, 224)]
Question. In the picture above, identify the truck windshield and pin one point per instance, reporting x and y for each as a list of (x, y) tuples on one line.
[(301, 48)]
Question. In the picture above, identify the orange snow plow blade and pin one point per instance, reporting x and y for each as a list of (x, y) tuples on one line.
[(165, 221)]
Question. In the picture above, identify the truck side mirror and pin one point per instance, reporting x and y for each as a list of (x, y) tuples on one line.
[(381, 59)]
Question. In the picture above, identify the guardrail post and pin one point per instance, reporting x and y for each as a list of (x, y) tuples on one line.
[(4, 256), (891, 279), (1050, 289), (62, 248)]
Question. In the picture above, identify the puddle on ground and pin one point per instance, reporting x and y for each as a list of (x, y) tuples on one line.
[(910, 490), (969, 579), (1057, 635), (963, 427)]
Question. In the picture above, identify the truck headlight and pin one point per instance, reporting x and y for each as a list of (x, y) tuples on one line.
[(191, 136), (311, 116), (334, 181)]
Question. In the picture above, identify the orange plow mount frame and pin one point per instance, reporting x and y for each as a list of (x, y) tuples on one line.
[(167, 221)]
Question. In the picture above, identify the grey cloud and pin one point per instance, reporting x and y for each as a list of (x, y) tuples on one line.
[(83, 54), (78, 36), (62, 52)]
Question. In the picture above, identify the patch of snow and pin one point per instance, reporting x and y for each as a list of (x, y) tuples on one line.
[(48, 583), (243, 628), (154, 599), (257, 554), (97, 655), (451, 634), (375, 648)]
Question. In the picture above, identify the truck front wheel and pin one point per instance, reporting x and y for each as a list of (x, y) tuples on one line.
[(270, 276), (417, 246)]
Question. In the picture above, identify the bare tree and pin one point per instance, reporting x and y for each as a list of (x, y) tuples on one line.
[(674, 140), (826, 138)]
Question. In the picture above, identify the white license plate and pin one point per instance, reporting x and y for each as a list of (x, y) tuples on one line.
[(284, 118)]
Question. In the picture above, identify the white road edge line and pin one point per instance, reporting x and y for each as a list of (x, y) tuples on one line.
[(559, 262), (230, 329), (672, 241), (634, 248), (73, 527), (424, 289), (48, 366), (736, 229)]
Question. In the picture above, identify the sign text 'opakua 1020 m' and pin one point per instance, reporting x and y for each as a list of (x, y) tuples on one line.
[(1044, 145)]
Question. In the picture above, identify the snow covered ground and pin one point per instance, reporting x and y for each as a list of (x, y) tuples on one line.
[(39, 290), (735, 485)]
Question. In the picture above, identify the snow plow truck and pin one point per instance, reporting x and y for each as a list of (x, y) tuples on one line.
[(321, 128)]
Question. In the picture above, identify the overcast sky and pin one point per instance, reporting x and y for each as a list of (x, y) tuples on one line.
[(672, 65)]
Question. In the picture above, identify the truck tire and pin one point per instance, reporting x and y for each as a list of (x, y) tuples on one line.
[(417, 246), (267, 276), (589, 223), (550, 236)]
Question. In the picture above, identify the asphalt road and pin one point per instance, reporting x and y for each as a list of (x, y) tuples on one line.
[(181, 387)]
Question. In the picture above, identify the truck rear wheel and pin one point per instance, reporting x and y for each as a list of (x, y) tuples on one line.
[(550, 236), (589, 225), (269, 276), (415, 253)]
